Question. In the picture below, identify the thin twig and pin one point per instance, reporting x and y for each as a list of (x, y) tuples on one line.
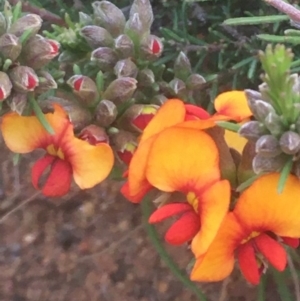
[(43, 13), (294, 277), (224, 289), (286, 8)]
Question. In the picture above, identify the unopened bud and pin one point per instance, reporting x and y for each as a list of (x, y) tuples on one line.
[(145, 78), (46, 82), (137, 117), (252, 95), (30, 22), (106, 113), (274, 124), (124, 46), (10, 46), (126, 68), (23, 79), (85, 19), (109, 16), (182, 67), (268, 164), (179, 87), (268, 146), (17, 102), (260, 109), (120, 90), (134, 28), (195, 81), (252, 130), (159, 99), (290, 143), (97, 36), (84, 87), (5, 86), (264, 90), (294, 80), (151, 47), (125, 144), (94, 135), (3, 24), (105, 58), (144, 9)]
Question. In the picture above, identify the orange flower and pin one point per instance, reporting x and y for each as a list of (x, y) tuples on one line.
[(255, 230), (66, 155)]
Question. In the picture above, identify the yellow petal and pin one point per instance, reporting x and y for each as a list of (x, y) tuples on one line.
[(234, 140)]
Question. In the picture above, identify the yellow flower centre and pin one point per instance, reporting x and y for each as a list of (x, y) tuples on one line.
[(252, 235), (192, 200), (55, 152)]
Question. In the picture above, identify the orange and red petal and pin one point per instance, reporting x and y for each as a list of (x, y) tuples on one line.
[(23, 134), (169, 114), (194, 112), (233, 105), (262, 208), (58, 178), (291, 242), (138, 197), (91, 163), (213, 207), (184, 229), (169, 210), (218, 262), (182, 159)]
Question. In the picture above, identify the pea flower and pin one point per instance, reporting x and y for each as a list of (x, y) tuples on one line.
[(65, 155), (254, 231)]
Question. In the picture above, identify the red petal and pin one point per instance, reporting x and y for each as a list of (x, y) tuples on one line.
[(184, 229), (125, 156), (142, 120), (54, 46), (2, 95), (167, 211), (31, 82), (292, 242), (248, 263), (77, 83), (195, 111), (155, 46), (137, 198), (39, 168), (272, 250)]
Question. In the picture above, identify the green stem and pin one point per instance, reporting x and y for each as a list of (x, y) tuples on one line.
[(153, 235), (284, 175)]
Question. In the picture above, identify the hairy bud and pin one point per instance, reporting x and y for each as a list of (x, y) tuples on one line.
[(178, 87), (268, 164), (23, 79), (17, 102), (94, 135), (134, 28), (46, 82), (151, 48), (30, 22), (146, 78), (274, 124), (10, 46), (252, 130), (144, 9), (97, 36), (126, 68), (106, 113), (105, 58), (290, 143), (195, 81), (182, 67), (5, 86), (260, 109), (268, 146), (124, 46)]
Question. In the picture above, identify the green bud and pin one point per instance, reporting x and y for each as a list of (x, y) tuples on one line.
[(17, 102), (268, 146), (268, 164), (151, 48), (146, 78), (106, 113), (195, 81), (144, 9), (97, 36), (134, 29), (182, 67), (31, 22), (10, 46), (23, 79), (105, 58), (5, 86), (126, 68), (109, 16), (46, 82), (120, 90), (252, 130), (290, 143), (124, 46)]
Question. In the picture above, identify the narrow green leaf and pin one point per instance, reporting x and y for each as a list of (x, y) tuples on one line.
[(247, 183), (255, 20), (76, 69), (234, 127), (282, 288), (279, 39), (25, 36), (284, 175), (242, 63), (158, 244), (17, 11), (16, 159), (39, 114), (100, 81), (261, 294)]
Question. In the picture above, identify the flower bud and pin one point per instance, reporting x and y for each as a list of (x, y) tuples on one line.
[(10, 46), (97, 36), (124, 46), (146, 78), (79, 116), (182, 67), (3, 24), (274, 124), (264, 90), (126, 68), (23, 79), (151, 48), (294, 79), (260, 109), (106, 113), (120, 90), (252, 130), (144, 9), (46, 82), (31, 22), (85, 88), (137, 117), (94, 135), (85, 19), (195, 81), (159, 99), (5, 86), (268, 164), (134, 29), (268, 146), (179, 87), (105, 57), (290, 143), (252, 95), (125, 144), (109, 16), (17, 102)]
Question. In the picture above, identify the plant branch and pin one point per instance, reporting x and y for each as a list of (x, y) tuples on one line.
[(290, 10)]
